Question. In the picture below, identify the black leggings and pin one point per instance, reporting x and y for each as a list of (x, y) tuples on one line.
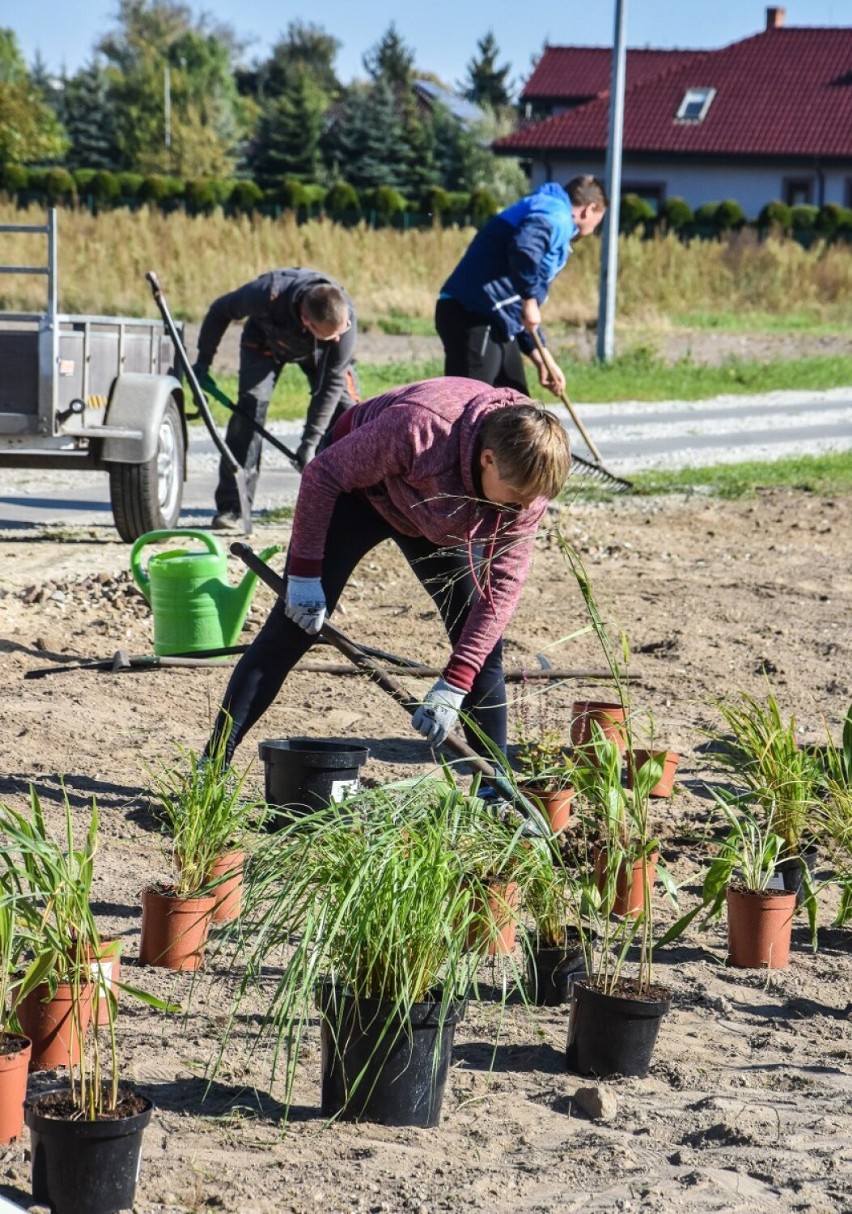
[(473, 348), (445, 573)]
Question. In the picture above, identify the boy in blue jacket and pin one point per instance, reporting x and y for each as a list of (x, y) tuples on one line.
[(491, 303)]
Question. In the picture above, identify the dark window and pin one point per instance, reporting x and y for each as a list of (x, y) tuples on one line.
[(798, 191)]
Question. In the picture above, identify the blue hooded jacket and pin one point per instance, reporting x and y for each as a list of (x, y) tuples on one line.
[(516, 256)]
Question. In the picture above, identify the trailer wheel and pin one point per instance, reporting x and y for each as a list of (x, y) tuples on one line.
[(147, 497)]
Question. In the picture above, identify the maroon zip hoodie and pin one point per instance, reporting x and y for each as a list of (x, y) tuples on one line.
[(411, 451)]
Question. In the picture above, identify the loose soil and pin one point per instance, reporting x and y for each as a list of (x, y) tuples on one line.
[(746, 1107)]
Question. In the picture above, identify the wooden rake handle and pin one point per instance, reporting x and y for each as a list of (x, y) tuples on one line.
[(566, 400)]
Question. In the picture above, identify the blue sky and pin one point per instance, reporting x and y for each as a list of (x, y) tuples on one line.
[(443, 33)]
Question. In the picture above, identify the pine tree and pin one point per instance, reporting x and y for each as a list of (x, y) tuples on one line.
[(288, 137), (488, 84), (90, 121), (390, 60), (365, 144)]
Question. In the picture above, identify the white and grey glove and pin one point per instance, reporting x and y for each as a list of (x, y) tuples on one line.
[(306, 452), (438, 713), (305, 604)]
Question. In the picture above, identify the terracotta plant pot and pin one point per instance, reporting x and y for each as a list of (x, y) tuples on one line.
[(105, 968), (49, 1024), (228, 893), (174, 930), (554, 803), (496, 921), (15, 1052), (609, 716), (759, 928), (629, 892), (665, 785)]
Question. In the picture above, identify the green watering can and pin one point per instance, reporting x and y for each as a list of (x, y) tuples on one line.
[(193, 605)]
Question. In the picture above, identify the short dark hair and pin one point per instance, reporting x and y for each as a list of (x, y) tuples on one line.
[(587, 191), (326, 305)]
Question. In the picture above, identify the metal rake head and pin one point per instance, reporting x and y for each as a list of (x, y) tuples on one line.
[(586, 469)]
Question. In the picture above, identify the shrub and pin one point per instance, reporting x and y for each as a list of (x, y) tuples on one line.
[(105, 186), (54, 185), (129, 185), (83, 179), (204, 194), (159, 189), (289, 194), (481, 204), (385, 200), (435, 200), (777, 216), (314, 195), (827, 219), (844, 223), (729, 216), (804, 217), (245, 196), (675, 213), (342, 197), (634, 212), (705, 215), (14, 177)]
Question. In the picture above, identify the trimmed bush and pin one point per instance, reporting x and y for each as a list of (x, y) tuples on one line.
[(14, 177), (730, 216), (290, 194), (435, 200), (342, 197), (83, 178), (245, 196), (776, 216), (705, 215), (129, 185), (157, 188), (634, 212), (804, 217), (676, 213), (481, 204), (105, 186), (314, 194), (828, 219), (384, 200), (53, 185)]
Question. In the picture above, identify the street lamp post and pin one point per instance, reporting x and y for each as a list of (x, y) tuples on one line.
[(609, 243)]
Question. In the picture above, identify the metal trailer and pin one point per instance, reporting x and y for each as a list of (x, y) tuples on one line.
[(93, 392)]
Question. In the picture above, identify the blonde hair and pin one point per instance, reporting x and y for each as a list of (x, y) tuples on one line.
[(531, 448)]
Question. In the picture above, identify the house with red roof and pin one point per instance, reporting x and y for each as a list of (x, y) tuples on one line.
[(768, 117)]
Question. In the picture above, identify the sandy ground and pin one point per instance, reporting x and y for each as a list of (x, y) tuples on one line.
[(747, 1105)]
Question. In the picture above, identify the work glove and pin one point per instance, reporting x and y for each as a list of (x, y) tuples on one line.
[(306, 452), (305, 604), (438, 713), (201, 371)]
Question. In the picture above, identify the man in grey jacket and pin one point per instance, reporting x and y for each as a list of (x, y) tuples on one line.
[(292, 316)]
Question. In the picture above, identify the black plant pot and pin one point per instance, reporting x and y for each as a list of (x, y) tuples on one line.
[(377, 1068), (305, 774), (792, 872), (612, 1034), (551, 972), (85, 1167)]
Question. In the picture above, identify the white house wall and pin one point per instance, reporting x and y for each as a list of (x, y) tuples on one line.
[(750, 187)]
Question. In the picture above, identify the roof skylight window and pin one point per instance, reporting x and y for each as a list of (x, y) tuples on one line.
[(695, 104)]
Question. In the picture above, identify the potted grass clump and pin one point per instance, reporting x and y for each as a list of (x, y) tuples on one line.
[(616, 1011), (85, 1135), (365, 909), (780, 778), (15, 1048), (208, 821), (554, 945), (741, 878), (544, 770), (834, 818)]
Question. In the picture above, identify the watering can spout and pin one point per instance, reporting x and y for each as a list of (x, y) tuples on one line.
[(193, 604)]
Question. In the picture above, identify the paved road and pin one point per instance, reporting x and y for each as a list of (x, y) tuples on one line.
[(631, 436)]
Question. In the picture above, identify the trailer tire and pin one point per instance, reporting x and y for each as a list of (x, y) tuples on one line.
[(147, 497)]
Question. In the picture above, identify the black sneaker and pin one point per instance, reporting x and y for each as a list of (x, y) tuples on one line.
[(226, 520)]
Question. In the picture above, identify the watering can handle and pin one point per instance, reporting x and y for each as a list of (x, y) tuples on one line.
[(140, 575)]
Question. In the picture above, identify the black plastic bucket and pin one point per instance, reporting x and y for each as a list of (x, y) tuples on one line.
[(85, 1167), (610, 1034), (791, 873), (376, 1068), (303, 774)]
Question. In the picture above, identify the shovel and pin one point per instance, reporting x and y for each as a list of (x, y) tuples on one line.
[(398, 692)]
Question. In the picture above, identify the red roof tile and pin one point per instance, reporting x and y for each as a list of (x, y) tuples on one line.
[(783, 92), (564, 72)]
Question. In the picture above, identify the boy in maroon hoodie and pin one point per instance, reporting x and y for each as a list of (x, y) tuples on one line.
[(459, 475)]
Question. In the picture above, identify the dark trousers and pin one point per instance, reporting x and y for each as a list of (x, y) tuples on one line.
[(473, 348), (355, 529), (258, 376)]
